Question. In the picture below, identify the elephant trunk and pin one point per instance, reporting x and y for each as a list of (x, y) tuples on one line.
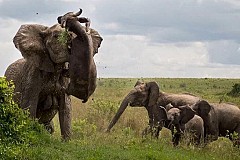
[(82, 69), (121, 109)]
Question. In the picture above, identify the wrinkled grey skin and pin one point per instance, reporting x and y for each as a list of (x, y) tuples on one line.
[(219, 119), (148, 95), (183, 118), (42, 76), (176, 99)]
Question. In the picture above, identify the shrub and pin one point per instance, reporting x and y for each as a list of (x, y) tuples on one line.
[(83, 129), (183, 85), (101, 112), (17, 130), (235, 92)]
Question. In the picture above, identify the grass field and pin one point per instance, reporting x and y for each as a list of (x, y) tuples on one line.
[(89, 141)]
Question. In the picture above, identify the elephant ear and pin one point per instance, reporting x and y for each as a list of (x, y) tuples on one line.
[(168, 106), (153, 89), (202, 108), (186, 114), (96, 39), (29, 40)]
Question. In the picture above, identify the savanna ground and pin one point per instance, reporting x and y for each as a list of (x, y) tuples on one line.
[(89, 141)]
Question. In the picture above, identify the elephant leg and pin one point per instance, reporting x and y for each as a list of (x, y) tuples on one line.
[(157, 130), (176, 138), (151, 119), (30, 102), (150, 115), (65, 116), (45, 117)]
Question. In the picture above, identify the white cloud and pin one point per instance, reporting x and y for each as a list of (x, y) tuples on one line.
[(134, 56), (8, 52), (189, 38), (111, 26)]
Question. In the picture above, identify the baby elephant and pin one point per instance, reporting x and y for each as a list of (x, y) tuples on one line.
[(184, 119)]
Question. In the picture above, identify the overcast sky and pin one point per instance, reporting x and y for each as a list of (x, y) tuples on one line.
[(142, 38)]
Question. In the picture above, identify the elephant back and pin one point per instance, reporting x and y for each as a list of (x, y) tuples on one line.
[(14, 73)]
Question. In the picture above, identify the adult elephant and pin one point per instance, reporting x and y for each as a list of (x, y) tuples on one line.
[(148, 95), (219, 119), (43, 81), (184, 120)]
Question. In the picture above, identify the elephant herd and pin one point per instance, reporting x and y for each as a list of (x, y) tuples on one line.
[(182, 114), (58, 61)]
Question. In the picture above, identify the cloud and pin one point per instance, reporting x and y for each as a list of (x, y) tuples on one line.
[(135, 56), (176, 21), (224, 52), (188, 38), (8, 52)]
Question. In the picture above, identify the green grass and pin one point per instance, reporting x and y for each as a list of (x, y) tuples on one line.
[(90, 142)]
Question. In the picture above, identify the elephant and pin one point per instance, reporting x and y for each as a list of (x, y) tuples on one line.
[(50, 70), (184, 119), (220, 119), (149, 96)]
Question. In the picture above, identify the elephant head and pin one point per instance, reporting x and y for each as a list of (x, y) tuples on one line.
[(143, 94), (85, 44), (202, 108), (40, 46), (180, 115), (209, 116)]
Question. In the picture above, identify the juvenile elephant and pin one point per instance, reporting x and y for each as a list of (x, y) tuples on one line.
[(219, 119), (148, 95), (43, 80), (185, 121)]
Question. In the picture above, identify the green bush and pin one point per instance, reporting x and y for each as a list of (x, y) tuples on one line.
[(83, 129), (17, 130), (235, 92)]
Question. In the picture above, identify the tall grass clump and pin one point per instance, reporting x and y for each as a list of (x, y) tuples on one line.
[(101, 112), (17, 130)]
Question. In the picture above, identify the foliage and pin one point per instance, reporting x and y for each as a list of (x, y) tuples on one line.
[(235, 92), (17, 131), (64, 37), (83, 129)]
